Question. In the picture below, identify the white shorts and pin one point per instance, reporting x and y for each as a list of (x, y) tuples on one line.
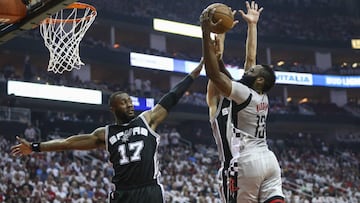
[(258, 176)]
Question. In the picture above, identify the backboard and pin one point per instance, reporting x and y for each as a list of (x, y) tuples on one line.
[(36, 11)]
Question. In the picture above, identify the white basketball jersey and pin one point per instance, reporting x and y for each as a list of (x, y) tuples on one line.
[(249, 114), (256, 167)]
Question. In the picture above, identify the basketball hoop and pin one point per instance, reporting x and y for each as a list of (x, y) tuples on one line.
[(63, 32)]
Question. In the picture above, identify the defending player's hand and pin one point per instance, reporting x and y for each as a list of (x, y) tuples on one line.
[(235, 21), (253, 12), (24, 148), (196, 72)]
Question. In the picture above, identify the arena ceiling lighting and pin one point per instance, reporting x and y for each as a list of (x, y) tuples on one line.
[(355, 43), (53, 92), (177, 28)]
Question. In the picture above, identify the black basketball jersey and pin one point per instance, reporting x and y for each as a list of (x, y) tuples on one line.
[(222, 131), (133, 153)]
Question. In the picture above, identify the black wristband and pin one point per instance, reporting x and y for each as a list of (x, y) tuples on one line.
[(35, 147)]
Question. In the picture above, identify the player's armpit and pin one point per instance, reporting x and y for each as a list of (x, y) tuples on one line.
[(99, 133), (239, 92), (155, 116)]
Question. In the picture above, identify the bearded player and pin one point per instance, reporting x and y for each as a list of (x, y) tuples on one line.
[(254, 168)]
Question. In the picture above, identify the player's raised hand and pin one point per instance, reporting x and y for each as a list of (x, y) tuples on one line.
[(24, 148), (206, 21), (233, 14), (253, 12), (196, 72)]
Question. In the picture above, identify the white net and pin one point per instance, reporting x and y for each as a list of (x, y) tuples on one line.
[(62, 35)]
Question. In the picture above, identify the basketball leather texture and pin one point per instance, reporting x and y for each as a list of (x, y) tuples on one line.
[(224, 13), (12, 11)]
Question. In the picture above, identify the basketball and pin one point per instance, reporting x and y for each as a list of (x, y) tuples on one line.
[(224, 13), (12, 11)]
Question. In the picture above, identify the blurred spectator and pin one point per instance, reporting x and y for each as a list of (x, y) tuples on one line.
[(138, 87), (147, 88), (9, 72), (174, 137), (30, 133), (28, 73), (2, 77), (10, 101), (164, 141)]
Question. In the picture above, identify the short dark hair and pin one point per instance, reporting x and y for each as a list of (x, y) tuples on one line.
[(113, 95), (269, 75)]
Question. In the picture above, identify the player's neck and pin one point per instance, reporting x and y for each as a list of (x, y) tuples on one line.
[(257, 89)]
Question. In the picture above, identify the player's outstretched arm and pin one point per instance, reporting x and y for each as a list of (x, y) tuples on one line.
[(251, 18), (212, 93), (210, 54), (160, 111), (212, 98), (219, 44), (76, 142)]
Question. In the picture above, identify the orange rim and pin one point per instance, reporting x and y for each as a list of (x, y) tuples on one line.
[(77, 5)]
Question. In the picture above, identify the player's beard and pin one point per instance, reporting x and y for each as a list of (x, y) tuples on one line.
[(248, 80), (124, 117)]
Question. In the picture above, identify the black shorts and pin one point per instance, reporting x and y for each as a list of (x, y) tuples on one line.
[(148, 194)]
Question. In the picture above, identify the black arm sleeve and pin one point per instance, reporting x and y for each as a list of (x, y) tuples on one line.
[(172, 97)]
